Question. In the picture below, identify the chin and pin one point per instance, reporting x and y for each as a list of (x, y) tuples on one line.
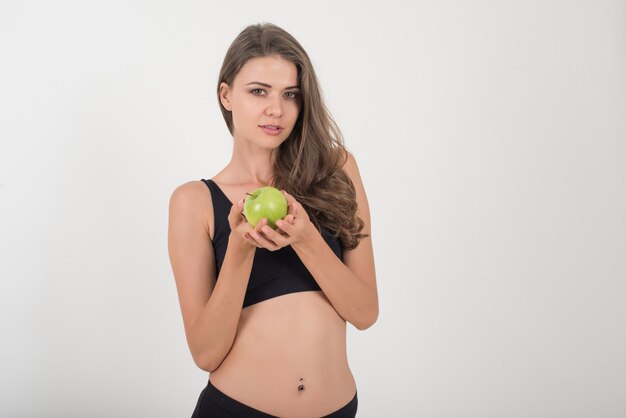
[(270, 145)]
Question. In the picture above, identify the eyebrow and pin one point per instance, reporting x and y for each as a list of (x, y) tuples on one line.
[(268, 86)]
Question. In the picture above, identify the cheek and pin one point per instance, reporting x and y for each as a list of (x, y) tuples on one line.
[(245, 112), (250, 108), (294, 112)]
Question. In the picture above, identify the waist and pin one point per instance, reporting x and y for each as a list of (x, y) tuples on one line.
[(282, 343)]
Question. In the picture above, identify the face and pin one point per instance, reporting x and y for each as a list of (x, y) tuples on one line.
[(263, 93)]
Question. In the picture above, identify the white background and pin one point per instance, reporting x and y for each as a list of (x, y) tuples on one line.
[(491, 139)]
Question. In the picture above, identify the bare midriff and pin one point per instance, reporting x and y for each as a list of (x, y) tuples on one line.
[(289, 358)]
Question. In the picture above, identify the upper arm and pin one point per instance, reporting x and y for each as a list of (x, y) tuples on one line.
[(190, 250), (360, 259)]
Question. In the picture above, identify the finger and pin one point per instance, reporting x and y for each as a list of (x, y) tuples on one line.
[(289, 197), (299, 208), (291, 209), (250, 240), (285, 226), (299, 211), (273, 236), (235, 213), (292, 201), (261, 237), (256, 239), (267, 243)]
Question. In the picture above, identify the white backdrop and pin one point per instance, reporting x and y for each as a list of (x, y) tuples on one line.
[(491, 139)]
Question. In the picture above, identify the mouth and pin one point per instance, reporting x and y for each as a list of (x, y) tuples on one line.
[(271, 129)]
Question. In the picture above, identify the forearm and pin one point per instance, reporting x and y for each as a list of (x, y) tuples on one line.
[(213, 332), (351, 297)]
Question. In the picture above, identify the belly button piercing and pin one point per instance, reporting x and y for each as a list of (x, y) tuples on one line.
[(300, 388)]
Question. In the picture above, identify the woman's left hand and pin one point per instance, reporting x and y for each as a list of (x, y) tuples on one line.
[(295, 227)]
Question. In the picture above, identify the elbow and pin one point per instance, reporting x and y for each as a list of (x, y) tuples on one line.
[(362, 326), (209, 358), (369, 314), (206, 362), (202, 364), (368, 322)]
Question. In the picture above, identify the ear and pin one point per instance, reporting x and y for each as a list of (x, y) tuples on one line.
[(225, 96)]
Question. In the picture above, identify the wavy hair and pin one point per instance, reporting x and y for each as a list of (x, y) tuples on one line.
[(308, 163)]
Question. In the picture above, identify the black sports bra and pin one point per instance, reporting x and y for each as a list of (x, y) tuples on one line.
[(274, 273)]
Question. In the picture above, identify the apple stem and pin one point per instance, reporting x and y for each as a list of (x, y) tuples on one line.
[(248, 194)]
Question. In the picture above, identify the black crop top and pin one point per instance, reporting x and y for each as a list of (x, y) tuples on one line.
[(273, 273)]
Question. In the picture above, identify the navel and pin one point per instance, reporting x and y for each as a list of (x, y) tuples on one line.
[(301, 386)]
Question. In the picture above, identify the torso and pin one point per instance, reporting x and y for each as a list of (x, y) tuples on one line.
[(280, 341)]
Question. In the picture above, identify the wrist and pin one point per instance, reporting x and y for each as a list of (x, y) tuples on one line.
[(308, 237), (240, 244)]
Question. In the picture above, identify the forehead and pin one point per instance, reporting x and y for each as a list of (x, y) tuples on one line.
[(273, 70)]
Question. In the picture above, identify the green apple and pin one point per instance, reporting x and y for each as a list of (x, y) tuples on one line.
[(265, 202)]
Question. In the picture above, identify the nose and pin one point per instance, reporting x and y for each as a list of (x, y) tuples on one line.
[(275, 108)]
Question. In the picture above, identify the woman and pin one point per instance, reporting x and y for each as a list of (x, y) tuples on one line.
[(265, 309)]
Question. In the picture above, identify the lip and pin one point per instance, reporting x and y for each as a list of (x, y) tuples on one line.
[(271, 131)]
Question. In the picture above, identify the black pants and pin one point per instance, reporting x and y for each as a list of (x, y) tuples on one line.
[(214, 403)]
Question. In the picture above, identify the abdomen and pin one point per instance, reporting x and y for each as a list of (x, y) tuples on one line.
[(280, 341)]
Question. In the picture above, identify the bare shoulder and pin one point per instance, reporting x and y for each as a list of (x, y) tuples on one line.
[(190, 191), (351, 168), (361, 259), (192, 199), (189, 248)]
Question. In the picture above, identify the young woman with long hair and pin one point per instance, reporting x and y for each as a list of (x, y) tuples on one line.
[(265, 309)]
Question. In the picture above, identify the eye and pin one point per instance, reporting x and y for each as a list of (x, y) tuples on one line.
[(294, 95)]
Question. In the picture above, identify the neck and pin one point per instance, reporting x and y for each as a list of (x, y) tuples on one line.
[(251, 164)]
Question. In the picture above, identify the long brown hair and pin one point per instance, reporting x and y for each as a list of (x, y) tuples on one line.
[(308, 163)]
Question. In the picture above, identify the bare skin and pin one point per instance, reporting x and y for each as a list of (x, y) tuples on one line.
[(280, 341), (288, 357)]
